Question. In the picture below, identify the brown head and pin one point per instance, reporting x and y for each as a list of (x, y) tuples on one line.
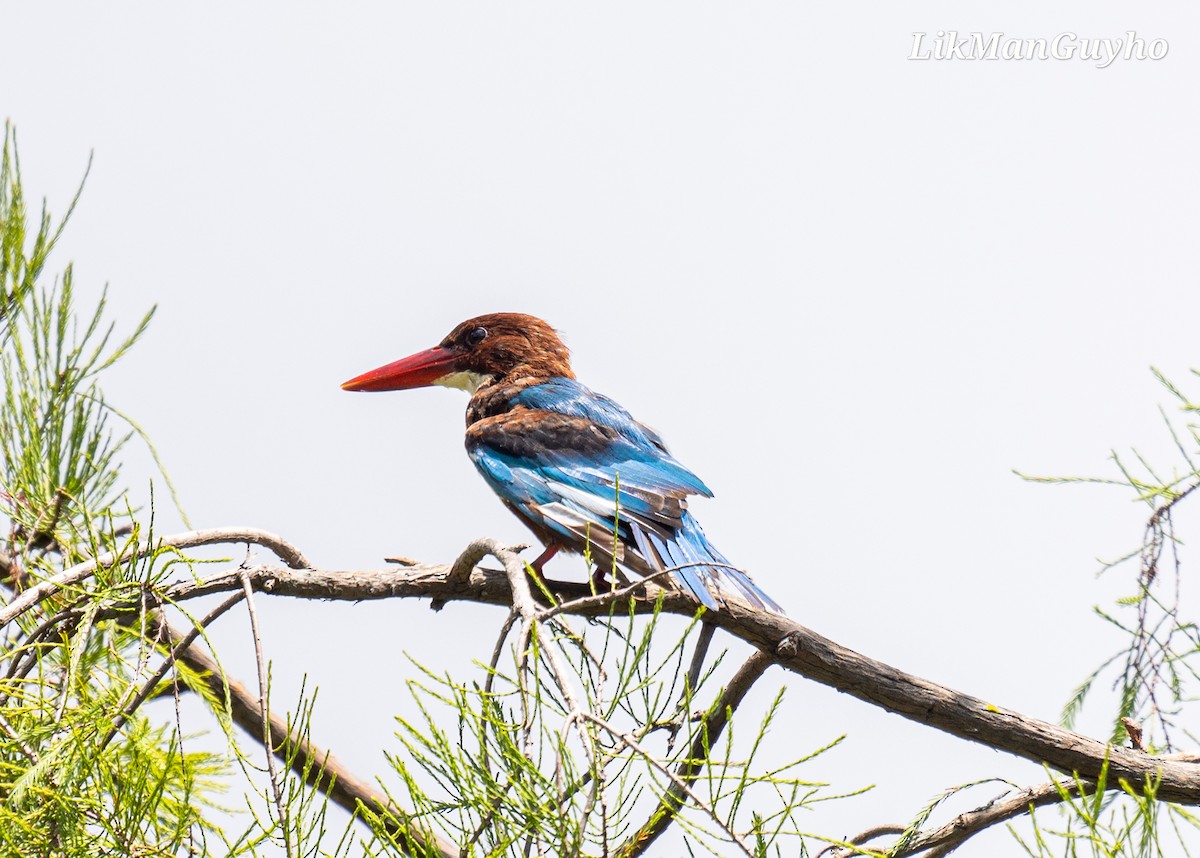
[(493, 347)]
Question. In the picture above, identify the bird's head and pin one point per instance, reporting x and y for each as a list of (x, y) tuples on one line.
[(495, 347)]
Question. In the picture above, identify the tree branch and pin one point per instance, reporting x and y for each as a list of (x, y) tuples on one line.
[(286, 552), (790, 645), (966, 825)]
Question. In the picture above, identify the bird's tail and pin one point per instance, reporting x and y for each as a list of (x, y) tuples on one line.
[(688, 553)]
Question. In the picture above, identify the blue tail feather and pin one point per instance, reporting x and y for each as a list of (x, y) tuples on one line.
[(690, 549), (694, 544), (689, 576)]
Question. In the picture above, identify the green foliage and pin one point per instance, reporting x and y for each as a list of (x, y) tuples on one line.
[(78, 774), (1101, 822), (57, 450), (508, 766), (1153, 674), (1154, 671), (20, 263)]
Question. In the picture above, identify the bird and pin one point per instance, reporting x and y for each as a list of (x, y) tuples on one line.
[(573, 465)]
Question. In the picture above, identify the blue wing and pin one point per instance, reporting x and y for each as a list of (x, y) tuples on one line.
[(580, 469)]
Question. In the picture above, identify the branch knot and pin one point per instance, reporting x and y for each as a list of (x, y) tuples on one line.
[(789, 646)]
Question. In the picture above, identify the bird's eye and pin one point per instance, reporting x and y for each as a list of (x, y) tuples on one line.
[(476, 336)]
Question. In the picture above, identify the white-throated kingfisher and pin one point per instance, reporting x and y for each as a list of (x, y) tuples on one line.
[(572, 464)]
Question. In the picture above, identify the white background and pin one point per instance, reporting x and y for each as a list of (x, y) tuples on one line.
[(853, 291)]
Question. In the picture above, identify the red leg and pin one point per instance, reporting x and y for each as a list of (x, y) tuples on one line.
[(550, 551), (600, 582)]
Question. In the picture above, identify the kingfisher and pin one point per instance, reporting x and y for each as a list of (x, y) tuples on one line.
[(572, 464)]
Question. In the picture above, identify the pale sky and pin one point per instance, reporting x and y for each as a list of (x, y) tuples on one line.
[(851, 290)]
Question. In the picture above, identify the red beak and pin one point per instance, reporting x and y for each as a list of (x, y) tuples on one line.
[(419, 370)]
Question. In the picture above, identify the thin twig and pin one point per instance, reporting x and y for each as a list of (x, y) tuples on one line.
[(524, 605), (263, 690), (27, 659), (317, 766), (177, 651), (707, 733), (41, 630), (605, 599), (677, 782), (24, 747), (89, 620), (598, 771), (489, 682), (146, 649)]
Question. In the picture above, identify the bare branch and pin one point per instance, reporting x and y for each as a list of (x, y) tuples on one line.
[(286, 552), (490, 681), (963, 827), (460, 569), (792, 646), (966, 825), (848, 848)]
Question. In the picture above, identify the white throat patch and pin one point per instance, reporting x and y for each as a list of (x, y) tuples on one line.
[(465, 380)]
